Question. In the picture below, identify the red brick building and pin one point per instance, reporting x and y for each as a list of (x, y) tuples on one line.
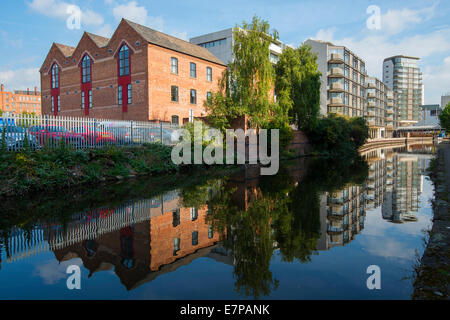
[(20, 101), (138, 74)]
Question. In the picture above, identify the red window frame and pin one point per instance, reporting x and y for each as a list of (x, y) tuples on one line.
[(124, 72), (86, 86), (55, 85)]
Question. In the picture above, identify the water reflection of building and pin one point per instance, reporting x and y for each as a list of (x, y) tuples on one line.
[(376, 181), (138, 240), (342, 216), (395, 182)]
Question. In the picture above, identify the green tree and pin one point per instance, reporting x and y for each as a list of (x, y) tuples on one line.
[(444, 118), (247, 84), (298, 86)]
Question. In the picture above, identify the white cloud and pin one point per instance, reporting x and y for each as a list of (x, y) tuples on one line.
[(139, 14), (52, 272), (325, 34), (396, 21), (437, 81), (20, 79), (58, 9), (106, 31)]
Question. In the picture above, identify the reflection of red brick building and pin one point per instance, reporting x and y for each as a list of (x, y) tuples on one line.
[(178, 234), (140, 252), (138, 74)]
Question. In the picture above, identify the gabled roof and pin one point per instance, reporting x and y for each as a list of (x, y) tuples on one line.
[(67, 51), (172, 43), (99, 40)]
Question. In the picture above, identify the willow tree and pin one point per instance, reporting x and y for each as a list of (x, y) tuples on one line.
[(298, 85), (246, 87)]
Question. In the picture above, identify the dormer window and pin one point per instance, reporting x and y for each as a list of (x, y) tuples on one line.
[(55, 76), (124, 61), (86, 69)]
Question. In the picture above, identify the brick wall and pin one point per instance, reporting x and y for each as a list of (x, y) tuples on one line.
[(161, 79)]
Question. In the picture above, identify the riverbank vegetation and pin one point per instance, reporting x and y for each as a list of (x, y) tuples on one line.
[(61, 167)]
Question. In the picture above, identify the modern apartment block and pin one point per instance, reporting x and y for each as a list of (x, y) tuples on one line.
[(220, 44), (344, 76), (376, 107), (402, 74), (138, 74), (20, 101), (445, 99)]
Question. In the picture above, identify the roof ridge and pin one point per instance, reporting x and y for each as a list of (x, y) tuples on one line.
[(100, 41), (173, 43)]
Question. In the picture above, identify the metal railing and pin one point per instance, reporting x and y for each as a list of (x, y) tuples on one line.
[(18, 131)]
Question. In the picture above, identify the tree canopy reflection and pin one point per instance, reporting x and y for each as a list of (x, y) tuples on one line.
[(277, 213)]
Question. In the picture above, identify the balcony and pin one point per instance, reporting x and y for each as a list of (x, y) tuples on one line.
[(371, 122), (371, 113), (336, 101), (390, 118), (371, 104), (336, 57), (371, 85), (389, 111), (336, 86), (336, 72), (371, 95), (390, 127), (335, 230)]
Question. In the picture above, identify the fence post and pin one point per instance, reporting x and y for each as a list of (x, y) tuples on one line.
[(131, 134), (94, 138)]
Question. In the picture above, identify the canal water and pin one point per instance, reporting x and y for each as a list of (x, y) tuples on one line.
[(311, 232)]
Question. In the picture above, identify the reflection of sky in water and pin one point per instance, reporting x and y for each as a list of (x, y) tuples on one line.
[(338, 273)]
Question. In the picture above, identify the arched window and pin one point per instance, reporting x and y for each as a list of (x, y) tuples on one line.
[(86, 69), (55, 76), (124, 61)]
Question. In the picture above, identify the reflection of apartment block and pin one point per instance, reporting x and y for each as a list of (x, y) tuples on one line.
[(405, 192), (391, 168), (344, 75), (342, 217), (376, 181)]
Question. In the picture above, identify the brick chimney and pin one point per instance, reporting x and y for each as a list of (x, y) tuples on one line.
[(2, 88), (35, 91), (28, 91)]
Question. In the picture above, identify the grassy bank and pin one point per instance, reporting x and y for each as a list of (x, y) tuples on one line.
[(25, 172)]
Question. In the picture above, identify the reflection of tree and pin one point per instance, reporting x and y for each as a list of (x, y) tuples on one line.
[(250, 241), (279, 214), (298, 227)]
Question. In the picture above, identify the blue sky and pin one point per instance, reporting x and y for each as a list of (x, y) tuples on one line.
[(414, 27)]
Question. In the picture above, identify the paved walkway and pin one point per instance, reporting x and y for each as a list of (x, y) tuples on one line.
[(433, 275)]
